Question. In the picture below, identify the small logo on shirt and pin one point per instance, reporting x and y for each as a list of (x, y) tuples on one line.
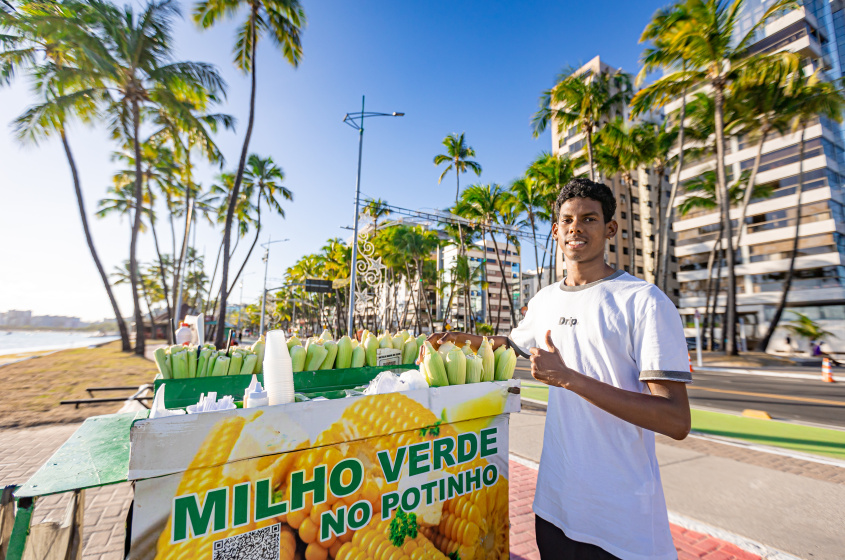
[(571, 321)]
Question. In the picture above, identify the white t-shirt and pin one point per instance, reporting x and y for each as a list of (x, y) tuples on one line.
[(599, 481)]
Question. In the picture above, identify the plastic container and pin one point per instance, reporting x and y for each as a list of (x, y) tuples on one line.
[(257, 398), (278, 370), (183, 335)]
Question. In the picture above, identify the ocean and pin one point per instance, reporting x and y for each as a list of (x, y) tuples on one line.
[(36, 341)]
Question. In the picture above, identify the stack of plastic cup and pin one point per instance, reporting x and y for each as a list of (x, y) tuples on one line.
[(278, 370)]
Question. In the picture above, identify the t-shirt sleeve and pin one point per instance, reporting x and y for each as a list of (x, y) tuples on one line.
[(660, 347), (521, 338)]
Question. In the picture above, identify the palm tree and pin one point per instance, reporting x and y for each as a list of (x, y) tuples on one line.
[(418, 243), (121, 276), (804, 327), (283, 21), (457, 156), (132, 60), (527, 200), (551, 172), (376, 209), (582, 100), (44, 38), (811, 98), (263, 178), (706, 34), (484, 204), (664, 54)]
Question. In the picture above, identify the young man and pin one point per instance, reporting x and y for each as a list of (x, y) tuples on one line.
[(612, 349)]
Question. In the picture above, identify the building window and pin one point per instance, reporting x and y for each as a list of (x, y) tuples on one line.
[(637, 234), (624, 215), (634, 200), (622, 198), (639, 252), (612, 248), (639, 270), (624, 250), (637, 217)]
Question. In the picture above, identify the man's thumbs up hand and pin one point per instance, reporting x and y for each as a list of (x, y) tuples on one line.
[(547, 366)]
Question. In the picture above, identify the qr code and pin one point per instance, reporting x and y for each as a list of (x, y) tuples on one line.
[(260, 544)]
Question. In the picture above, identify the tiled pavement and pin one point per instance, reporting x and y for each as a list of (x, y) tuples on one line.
[(689, 544), (23, 451)]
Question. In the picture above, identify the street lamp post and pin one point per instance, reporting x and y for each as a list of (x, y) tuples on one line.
[(350, 119), (266, 260)]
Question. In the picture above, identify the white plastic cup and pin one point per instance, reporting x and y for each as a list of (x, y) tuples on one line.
[(278, 370)]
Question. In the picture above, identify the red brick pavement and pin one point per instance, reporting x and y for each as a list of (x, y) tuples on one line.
[(689, 544)]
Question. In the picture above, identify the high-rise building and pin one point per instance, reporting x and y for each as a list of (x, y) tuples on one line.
[(816, 31), (638, 211)]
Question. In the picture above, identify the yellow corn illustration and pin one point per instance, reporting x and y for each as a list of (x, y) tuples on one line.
[(373, 542)]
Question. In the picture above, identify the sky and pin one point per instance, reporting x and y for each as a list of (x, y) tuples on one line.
[(473, 66)]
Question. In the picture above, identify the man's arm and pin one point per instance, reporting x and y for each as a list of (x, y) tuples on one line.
[(665, 410)]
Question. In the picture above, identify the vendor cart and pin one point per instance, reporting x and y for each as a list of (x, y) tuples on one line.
[(414, 474)]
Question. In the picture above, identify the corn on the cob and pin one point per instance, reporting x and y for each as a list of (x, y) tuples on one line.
[(331, 354), (397, 342), (499, 351), (249, 364), (444, 349), (235, 363), (316, 353), (297, 358), (326, 335), (488, 360), (161, 362), (293, 341), (474, 364), (179, 362), (258, 350), (344, 352), (359, 357), (384, 341), (434, 367), (221, 366), (202, 362), (373, 542), (506, 365), (456, 366), (209, 367), (467, 349), (409, 351), (371, 345)]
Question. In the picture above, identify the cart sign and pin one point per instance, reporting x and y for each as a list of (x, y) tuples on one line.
[(318, 286), (360, 477)]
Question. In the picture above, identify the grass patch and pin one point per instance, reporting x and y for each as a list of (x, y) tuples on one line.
[(797, 437), (33, 389)]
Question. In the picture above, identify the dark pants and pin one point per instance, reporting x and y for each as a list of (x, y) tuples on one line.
[(555, 545)]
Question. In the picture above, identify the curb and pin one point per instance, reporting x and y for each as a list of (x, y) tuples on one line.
[(763, 373), (748, 545)]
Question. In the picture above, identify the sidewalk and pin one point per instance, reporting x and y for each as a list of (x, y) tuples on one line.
[(523, 480)]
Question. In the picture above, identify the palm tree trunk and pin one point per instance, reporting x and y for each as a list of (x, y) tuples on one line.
[(136, 227), (710, 260), (787, 282), (505, 282), (499, 311), (536, 256), (163, 276), (665, 224), (213, 276), (545, 254), (121, 324), (552, 261), (717, 288), (251, 247), (233, 198), (730, 309), (658, 170), (749, 188), (588, 131)]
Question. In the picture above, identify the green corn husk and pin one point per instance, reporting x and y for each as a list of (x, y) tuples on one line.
[(161, 362), (169, 363), (235, 364), (409, 352), (179, 363), (315, 355), (331, 349), (371, 346), (344, 353), (456, 366), (210, 346), (435, 370), (421, 340), (506, 365), (202, 361), (467, 349), (397, 342), (192, 361), (176, 348), (488, 360), (355, 343), (209, 368), (326, 335), (444, 349), (384, 341), (297, 358), (474, 364), (359, 357), (249, 364), (294, 341), (499, 351), (221, 366), (258, 349)]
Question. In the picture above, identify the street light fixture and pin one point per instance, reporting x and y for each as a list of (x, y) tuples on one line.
[(350, 119), (266, 260)]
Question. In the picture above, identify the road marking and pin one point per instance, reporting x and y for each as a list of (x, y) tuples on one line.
[(767, 395)]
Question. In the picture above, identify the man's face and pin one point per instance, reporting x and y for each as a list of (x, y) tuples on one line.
[(581, 230)]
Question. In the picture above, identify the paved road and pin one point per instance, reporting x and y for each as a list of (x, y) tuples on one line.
[(803, 400)]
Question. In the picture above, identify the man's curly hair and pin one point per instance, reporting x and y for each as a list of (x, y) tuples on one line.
[(584, 188)]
